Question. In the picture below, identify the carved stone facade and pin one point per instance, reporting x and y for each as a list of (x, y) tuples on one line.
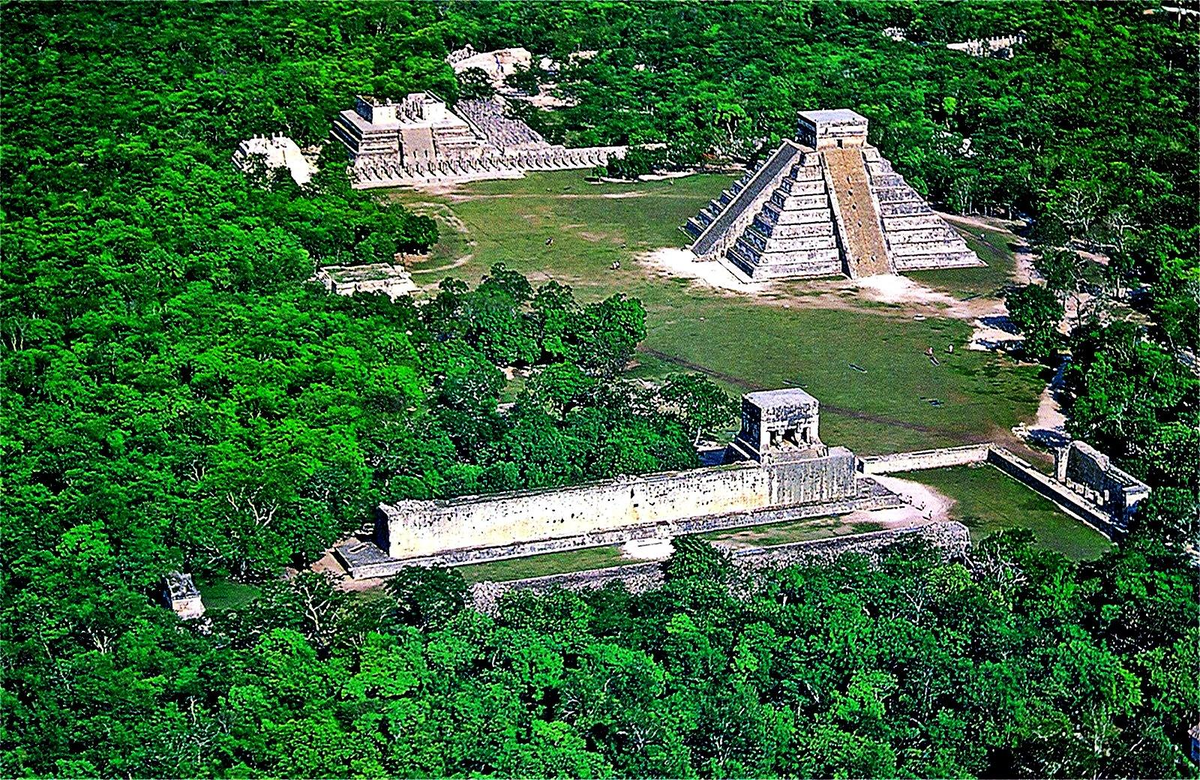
[(823, 205)]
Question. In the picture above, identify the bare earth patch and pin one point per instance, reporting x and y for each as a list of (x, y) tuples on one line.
[(924, 503), (675, 263)]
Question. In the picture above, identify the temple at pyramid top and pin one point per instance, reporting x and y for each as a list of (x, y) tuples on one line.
[(825, 204)]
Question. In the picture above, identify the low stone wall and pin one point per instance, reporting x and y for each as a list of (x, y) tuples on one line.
[(952, 537), (945, 457), (1056, 492)]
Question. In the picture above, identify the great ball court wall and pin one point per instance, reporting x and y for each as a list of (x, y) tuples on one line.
[(825, 204), (776, 469)]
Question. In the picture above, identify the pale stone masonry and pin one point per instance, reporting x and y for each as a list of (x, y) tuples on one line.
[(276, 151), (1091, 474), (419, 139), (825, 204), (777, 469)]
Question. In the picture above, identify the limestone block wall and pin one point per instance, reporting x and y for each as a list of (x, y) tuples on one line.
[(416, 529), (1090, 473), (945, 457), (1058, 493)]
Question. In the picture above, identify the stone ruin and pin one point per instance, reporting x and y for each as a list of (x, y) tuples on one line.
[(777, 469), (275, 151), (1090, 474), (419, 139), (1000, 47), (182, 596), (825, 204), (391, 280)]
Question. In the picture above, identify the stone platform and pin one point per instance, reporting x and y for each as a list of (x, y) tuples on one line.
[(825, 204), (364, 559)]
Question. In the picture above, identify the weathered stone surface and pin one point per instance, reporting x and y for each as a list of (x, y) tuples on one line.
[(828, 204), (420, 140), (1091, 474)]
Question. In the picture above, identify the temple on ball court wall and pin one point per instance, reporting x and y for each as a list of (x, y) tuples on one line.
[(825, 204), (776, 469)]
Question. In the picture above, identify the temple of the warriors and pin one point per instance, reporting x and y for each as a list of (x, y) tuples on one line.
[(776, 469), (825, 204), (420, 139)]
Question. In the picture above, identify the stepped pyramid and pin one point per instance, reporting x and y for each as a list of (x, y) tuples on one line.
[(825, 204)]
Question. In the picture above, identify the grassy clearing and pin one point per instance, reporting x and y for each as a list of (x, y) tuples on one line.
[(225, 594), (788, 532), (545, 564), (989, 501), (742, 342)]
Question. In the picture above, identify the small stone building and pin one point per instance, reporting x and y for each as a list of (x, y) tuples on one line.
[(1091, 474), (391, 280)]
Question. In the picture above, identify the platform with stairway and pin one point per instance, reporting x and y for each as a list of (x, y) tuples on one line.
[(825, 204)]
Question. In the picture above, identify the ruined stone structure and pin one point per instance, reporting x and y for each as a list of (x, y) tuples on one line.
[(181, 595), (390, 280), (822, 205), (419, 139), (1000, 47), (276, 151), (779, 470), (1085, 485), (1092, 475)]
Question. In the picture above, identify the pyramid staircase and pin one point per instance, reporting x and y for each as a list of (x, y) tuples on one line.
[(697, 224), (809, 212)]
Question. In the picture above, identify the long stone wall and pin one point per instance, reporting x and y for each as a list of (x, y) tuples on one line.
[(952, 537), (921, 460), (417, 529), (365, 560), (1056, 492)]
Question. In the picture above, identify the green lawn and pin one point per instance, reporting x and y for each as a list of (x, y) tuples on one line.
[(787, 532), (742, 342), (989, 501), (225, 594), (542, 565)]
